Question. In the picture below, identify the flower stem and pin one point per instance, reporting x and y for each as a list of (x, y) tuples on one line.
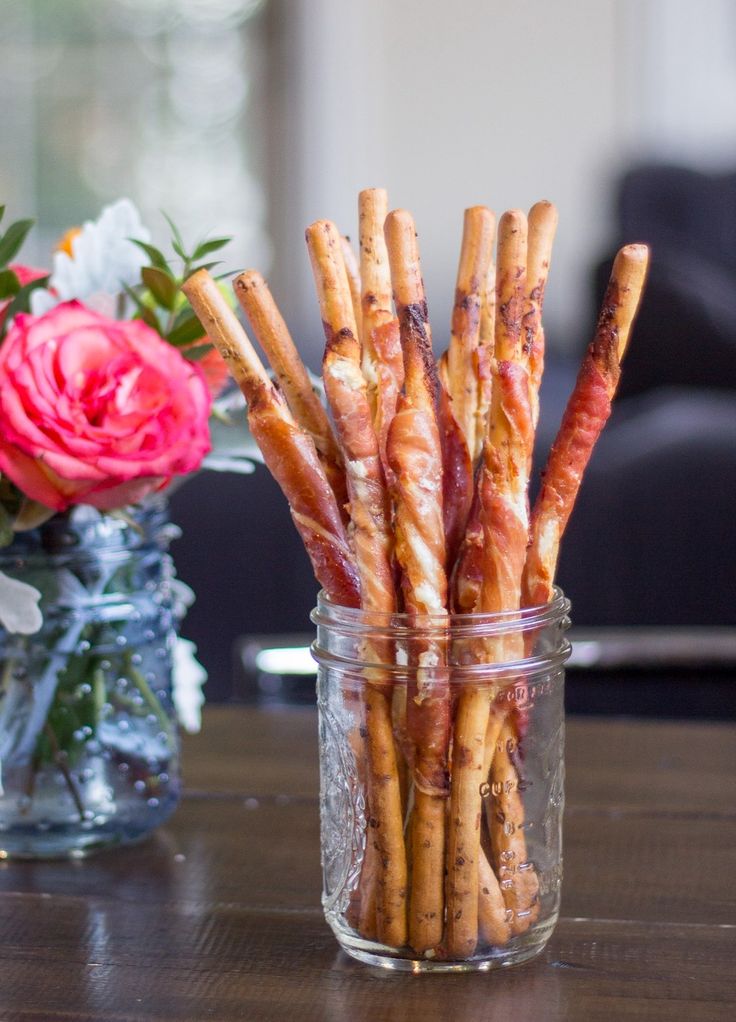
[(150, 698), (60, 758), (6, 675)]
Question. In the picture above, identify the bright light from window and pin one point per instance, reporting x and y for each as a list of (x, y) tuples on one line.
[(287, 660)]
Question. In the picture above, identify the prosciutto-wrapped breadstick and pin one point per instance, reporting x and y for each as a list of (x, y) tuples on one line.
[(503, 517), (457, 476), (585, 416), (382, 359), (484, 356), (370, 515), (288, 451), (462, 354), (502, 479), (415, 455), (460, 378), (350, 261), (542, 226), (273, 336)]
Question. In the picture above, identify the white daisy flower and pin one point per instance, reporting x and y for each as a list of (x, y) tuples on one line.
[(19, 606), (187, 677), (104, 260)]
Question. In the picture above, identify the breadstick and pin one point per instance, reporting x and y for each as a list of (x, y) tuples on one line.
[(273, 336), (585, 416), (415, 455), (517, 877), (382, 361), (542, 226), (503, 517), (351, 268), (462, 354), (373, 542), (493, 925), (484, 356), (288, 451), (461, 377)]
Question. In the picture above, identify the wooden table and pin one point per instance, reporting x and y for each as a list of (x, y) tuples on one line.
[(218, 916)]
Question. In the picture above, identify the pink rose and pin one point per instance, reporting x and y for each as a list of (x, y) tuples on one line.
[(96, 411)]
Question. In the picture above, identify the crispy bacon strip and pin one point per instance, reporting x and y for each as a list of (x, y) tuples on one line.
[(273, 336), (287, 450), (502, 515), (382, 360), (415, 455), (373, 542), (542, 227), (462, 354), (585, 416)]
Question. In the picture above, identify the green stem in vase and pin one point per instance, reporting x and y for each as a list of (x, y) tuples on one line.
[(6, 675), (60, 759), (150, 698)]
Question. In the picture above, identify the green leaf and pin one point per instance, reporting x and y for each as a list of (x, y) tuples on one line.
[(162, 286), (9, 284), (174, 229), (13, 239), (195, 354), (6, 528), (150, 318), (206, 247), (204, 266), (187, 331), (156, 256), (2, 212), (22, 300), (183, 315), (179, 249), (145, 312), (177, 242)]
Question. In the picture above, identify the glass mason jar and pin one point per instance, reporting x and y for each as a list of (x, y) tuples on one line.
[(89, 748), (441, 765)]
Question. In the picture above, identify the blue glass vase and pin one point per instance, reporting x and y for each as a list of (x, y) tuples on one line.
[(89, 748)]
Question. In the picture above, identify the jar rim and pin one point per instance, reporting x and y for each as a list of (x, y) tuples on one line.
[(331, 614)]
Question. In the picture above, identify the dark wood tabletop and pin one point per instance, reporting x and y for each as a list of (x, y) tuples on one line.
[(218, 915)]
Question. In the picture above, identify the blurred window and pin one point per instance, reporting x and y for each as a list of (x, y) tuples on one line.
[(144, 98)]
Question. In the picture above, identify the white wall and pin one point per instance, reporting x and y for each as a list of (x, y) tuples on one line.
[(452, 104)]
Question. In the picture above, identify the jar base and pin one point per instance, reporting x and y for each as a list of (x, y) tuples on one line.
[(522, 950)]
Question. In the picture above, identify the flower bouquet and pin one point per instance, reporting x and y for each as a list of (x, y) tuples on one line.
[(107, 383)]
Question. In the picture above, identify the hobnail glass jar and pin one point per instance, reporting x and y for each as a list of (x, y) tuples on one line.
[(89, 748), (441, 765)]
